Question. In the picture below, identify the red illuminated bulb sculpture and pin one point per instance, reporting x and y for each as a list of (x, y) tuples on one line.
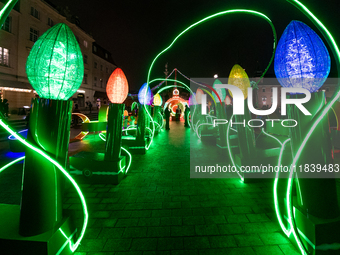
[(117, 89)]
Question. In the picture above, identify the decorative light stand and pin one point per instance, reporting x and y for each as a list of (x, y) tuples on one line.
[(157, 115), (40, 225), (315, 214), (107, 167), (221, 141), (138, 145)]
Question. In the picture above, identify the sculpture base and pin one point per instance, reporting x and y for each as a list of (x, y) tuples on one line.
[(90, 167), (260, 165), (319, 236), (136, 146), (209, 135), (48, 243)]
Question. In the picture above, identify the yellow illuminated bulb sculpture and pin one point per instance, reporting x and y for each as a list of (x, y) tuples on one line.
[(239, 78), (157, 100)]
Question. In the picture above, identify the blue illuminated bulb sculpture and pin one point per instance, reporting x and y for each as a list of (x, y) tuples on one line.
[(145, 95), (301, 58), (220, 91), (192, 99)]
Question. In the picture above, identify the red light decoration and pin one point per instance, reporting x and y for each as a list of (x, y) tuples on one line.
[(227, 100), (117, 87), (199, 94)]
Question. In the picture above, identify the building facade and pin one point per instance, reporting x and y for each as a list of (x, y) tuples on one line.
[(26, 22)]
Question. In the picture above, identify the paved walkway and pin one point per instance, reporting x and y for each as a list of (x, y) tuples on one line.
[(159, 209)]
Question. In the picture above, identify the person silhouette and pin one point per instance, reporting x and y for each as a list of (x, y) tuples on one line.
[(167, 118), (186, 116)]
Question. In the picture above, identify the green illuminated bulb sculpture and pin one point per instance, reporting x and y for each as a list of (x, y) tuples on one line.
[(55, 66), (55, 70)]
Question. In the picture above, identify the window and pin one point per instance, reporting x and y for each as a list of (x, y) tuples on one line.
[(34, 34), (4, 56), (50, 22), (263, 89), (85, 78), (94, 48), (85, 59), (95, 64), (95, 82), (106, 55), (7, 25), (85, 43), (271, 89), (35, 13), (327, 89), (101, 83), (107, 70), (101, 67)]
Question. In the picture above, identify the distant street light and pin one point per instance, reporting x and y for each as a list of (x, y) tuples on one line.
[(216, 76)]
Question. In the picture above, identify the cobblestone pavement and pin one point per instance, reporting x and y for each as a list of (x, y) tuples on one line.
[(159, 209)]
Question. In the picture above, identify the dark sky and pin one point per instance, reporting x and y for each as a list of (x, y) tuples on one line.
[(136, 31)]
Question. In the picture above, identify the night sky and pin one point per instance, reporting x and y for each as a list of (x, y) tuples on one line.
[(136, 31)]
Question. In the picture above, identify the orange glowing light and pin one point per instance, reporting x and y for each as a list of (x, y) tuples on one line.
[(117, 87)]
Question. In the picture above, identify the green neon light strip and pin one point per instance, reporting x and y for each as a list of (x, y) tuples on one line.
[(230, 153), (318, 118), (68, 241), (11, 163), (203, 124), (207, 19), (126, 151), (161, 119), (42, 153), (130, 159), (6, 10), (276, 202), (187, 119)]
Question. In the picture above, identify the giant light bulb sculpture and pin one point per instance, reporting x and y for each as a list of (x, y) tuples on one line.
[(145, 99), (55, 70), (117, 89), (302, 61), (157, 102), (246, 137), (220, 114)]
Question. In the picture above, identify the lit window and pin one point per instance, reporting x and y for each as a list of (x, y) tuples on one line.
[(50, 22), (94, 48), (85, 59), (34, 12), (263, 89), (95, 64), (4, 56), (85, 78), (7, 25), (85, 43), (106, 55), (34, 34), (95, 82)]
